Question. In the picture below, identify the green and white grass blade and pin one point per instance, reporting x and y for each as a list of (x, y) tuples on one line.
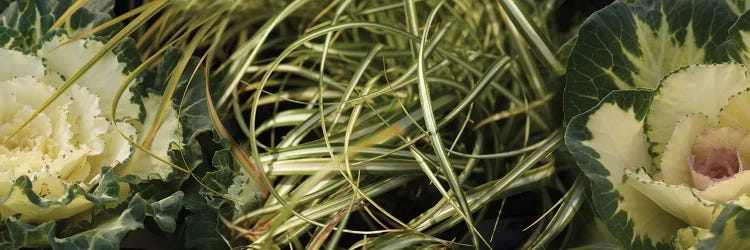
[(518, 177), (496, 68), (571, 202), (408, 240), (353, 83), (68, 13), (356, 111), (114, 21), (435, 139), (433, 178), (525, 60), (254, 47), (333, 243), (631, 45), (445, 219), (328, 207), (541, 47), (606, 142), (347, 94), (306, 73), (535, 116), (330, 187), (286, 118)]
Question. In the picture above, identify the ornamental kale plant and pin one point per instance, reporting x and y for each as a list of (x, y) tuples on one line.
[(89, 148), (657, 104)]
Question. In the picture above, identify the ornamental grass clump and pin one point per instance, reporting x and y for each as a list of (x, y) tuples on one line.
[(297, 124), (336, 115)]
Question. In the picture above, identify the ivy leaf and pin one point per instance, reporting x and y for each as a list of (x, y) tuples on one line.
[(166, 210), (203, 230)]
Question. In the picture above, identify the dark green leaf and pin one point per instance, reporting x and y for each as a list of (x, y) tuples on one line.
[(632, 44)]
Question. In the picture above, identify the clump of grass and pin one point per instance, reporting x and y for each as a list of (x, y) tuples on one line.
[(338, 110)]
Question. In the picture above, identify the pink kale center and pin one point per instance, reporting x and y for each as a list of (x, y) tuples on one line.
[(720, 164)]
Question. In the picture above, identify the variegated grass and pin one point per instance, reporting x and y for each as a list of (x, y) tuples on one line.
[(331, 106)]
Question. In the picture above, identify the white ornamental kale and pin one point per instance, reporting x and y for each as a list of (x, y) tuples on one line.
[(676, 157), (657, 101), (72, 175), (68, 142)]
